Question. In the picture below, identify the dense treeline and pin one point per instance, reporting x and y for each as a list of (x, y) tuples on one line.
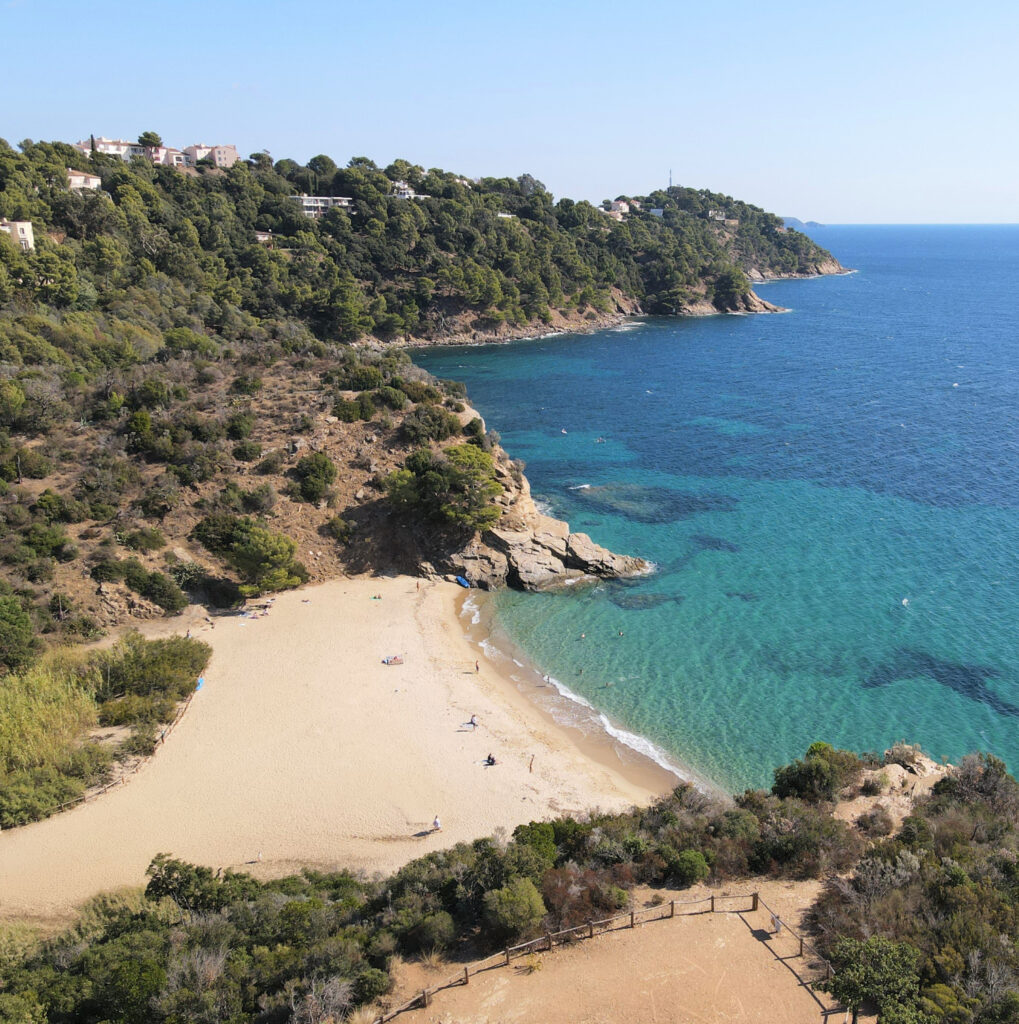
[(920, 925), (499, 249)]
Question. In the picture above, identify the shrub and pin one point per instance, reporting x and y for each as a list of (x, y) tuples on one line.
[(17, 638), (220, 531), (819, 776), (428, 423), (247, 451), (688, 867), (271, 464), (515, 910), (346, 411), (364, 378), (315, 473), (146, 539), (391, 398), (239, 425), (246, 384), (339, 529)]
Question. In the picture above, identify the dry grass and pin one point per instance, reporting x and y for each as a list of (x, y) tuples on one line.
[(43, 713)]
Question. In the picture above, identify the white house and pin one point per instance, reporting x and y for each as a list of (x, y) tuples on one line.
[(166, 156), (78, 181), (221, 156), (20, 231), (404, 191), (263, 237), (619, 206), (316, 206), (111, 147)]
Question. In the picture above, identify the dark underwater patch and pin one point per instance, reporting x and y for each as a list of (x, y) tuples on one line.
[(653, 504), (641, 602), (708, 543), (968, 680), (742, 595)]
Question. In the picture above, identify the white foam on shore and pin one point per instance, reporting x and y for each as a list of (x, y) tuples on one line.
[(643, 746), (586, 713), (471, 606), (580, 487)]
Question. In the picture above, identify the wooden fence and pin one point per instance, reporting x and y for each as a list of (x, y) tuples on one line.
[(777, 921), (630, 919), (91, 794)]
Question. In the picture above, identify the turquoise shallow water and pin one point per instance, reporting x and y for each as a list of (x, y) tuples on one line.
[(831, 498)]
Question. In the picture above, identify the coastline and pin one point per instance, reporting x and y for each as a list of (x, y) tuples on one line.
[(303, 750), (590, 729)]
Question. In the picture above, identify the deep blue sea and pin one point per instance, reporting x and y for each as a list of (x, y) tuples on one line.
[(831, 498)]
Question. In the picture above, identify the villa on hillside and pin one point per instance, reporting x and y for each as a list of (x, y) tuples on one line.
[(315, 207), (221, 156), (78, 181), (21, 231), (404, 191), (162, 156)]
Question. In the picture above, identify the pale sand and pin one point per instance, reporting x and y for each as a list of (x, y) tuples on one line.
[(303, 747)]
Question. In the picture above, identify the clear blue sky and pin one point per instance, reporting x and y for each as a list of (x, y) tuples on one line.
[(862, 112)]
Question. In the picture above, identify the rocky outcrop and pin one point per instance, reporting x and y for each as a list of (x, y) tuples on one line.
[(532, 551)]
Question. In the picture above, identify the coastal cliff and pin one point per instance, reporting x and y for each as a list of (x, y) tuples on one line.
[(532, 551)]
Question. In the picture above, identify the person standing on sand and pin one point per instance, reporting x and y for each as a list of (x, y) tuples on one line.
[(477, 666), (473, 723), (436, 824)]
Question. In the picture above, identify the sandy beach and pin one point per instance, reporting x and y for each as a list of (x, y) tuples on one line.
[(303, 749)]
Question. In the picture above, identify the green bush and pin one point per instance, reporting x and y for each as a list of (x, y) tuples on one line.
[(146, 539), (18, 645), (688, 867), (239, 425), (514, 911), (271, 464), (339, 529), (247, 451), (428, 423), (819, 776), (315, 473)]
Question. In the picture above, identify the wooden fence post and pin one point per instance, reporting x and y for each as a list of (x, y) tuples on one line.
[(590, 929), (712, 903), (631, 918), (548, 939), (467, 975), (424, 998), (801, 947), (753, 906), (672, 908), (507, 956)]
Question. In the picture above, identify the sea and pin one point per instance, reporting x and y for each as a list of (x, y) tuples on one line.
[(830, 498)]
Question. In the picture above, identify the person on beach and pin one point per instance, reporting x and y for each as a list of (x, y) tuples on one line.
[(473, 723), (477, 666), (490, 760), (436, 824)]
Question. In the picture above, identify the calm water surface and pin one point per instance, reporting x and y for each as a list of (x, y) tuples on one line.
[(831, 498)]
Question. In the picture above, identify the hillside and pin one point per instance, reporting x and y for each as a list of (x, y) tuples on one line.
[(162, 367)]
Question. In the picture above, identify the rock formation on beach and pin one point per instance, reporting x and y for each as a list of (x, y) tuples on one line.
[(532, 551)]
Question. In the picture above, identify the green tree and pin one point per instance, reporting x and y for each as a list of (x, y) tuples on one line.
[(266, 561), (876, 971), (150, 139)]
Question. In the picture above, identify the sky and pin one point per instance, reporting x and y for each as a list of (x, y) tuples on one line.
[(863, 112)]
